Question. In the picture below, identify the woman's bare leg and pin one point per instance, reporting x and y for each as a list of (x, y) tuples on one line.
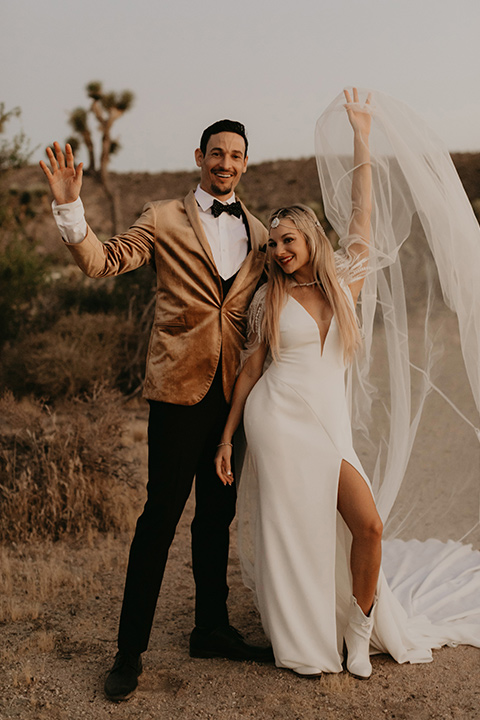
[(357, 507)]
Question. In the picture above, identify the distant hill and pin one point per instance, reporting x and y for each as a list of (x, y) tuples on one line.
[(265, 186)]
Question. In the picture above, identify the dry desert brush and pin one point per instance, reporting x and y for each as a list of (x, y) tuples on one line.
[(64, 474)]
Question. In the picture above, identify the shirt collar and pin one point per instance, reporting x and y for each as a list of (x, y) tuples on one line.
[(205, 200)]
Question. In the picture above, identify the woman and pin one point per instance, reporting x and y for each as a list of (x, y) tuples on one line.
[(309, 325), (315, 572)]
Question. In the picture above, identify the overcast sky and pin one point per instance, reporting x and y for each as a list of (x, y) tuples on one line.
[(273, 65)]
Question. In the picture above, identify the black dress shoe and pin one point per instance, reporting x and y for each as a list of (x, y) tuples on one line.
[(122, 679), (226, 642)]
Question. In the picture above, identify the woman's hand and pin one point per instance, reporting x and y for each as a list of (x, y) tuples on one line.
[(223, 460), (64, 179), (359, 115)]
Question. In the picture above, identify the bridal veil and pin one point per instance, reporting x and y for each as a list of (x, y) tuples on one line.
[(415, 385)]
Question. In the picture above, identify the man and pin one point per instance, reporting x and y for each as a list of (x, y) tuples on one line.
[(206, 253)]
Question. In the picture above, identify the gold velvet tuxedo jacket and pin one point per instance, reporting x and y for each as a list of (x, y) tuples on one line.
[(194, 325)]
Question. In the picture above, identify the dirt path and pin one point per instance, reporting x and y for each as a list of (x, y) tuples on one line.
[(60, 611)]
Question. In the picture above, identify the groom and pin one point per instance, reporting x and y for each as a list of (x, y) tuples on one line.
[(205, 250)]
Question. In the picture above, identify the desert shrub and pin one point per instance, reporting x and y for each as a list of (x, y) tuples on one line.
[(128, 297), (126, 294), (22, 275), (64, 474), (14, 153), (76, 354), (63, 333)]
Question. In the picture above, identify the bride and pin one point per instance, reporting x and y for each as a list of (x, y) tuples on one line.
[(311, 532)]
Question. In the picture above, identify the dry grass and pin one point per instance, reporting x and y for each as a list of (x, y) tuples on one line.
[(77, 353), (65, 478), (35, 574), (64, 474), (42, 587)]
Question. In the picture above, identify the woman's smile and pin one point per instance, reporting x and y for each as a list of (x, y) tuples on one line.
[(289, 247)]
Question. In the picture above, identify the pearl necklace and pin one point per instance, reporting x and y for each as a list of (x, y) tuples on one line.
[(309, 284)]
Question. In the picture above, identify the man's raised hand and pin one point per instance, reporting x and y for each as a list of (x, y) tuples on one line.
[(64, 179)]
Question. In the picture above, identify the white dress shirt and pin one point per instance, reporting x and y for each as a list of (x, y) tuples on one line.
[(226, 234)]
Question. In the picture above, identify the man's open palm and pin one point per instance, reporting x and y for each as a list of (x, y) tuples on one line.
[(64, 179)]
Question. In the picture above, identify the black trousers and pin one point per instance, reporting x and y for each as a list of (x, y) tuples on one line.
[(182, 441)]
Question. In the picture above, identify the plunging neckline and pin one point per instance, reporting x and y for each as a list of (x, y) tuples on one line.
[(322, 344)]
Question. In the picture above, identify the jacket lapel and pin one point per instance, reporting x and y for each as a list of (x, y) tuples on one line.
[(194, 218), (253, 236), (255, 260), (252, 265)]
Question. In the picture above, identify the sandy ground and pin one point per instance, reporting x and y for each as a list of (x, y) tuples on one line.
[(58, 641)]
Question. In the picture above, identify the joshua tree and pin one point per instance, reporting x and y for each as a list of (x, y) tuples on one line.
[(13, 153), (79, 122), (106, 107)]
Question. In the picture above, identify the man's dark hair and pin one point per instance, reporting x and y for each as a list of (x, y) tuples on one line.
[(223, 126)]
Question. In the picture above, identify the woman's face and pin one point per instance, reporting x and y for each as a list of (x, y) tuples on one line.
[(288, 247)]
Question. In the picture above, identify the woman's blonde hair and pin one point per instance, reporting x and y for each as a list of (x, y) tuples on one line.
[(323, 265)]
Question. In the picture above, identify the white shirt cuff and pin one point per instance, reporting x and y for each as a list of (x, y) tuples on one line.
[(70, 219)]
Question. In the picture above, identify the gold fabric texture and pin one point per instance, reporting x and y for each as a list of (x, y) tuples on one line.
[(194, 325)]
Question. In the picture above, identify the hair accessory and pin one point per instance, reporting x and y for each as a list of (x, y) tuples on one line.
[(276, 222)]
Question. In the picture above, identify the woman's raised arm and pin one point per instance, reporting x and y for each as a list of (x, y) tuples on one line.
[(359, 228)]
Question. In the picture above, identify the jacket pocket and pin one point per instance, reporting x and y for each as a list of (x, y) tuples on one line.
[(169, 328), (178, 321)]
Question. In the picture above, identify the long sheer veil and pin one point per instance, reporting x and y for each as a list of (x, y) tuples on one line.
[(415, 386)]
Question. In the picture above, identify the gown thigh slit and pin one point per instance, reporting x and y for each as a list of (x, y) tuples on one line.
[(355, 500)]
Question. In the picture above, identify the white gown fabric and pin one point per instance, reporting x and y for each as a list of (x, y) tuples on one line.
[(294, 546)]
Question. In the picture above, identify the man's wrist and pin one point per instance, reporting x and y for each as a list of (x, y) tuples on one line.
[(70, 219), (67, 205)]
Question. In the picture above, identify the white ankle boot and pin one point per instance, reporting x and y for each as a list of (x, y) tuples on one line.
[(357, 640)]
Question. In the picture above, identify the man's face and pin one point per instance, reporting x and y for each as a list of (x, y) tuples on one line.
[(223, 164)]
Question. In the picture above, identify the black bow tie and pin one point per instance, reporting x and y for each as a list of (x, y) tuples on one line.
[(232, 209)]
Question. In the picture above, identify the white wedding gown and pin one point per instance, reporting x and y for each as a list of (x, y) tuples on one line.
[(294, 545)]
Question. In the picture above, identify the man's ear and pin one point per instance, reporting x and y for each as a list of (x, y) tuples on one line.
[(245, 165), (198, 157)]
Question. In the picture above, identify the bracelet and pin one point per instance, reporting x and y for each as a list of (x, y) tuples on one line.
[(225, 443)]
